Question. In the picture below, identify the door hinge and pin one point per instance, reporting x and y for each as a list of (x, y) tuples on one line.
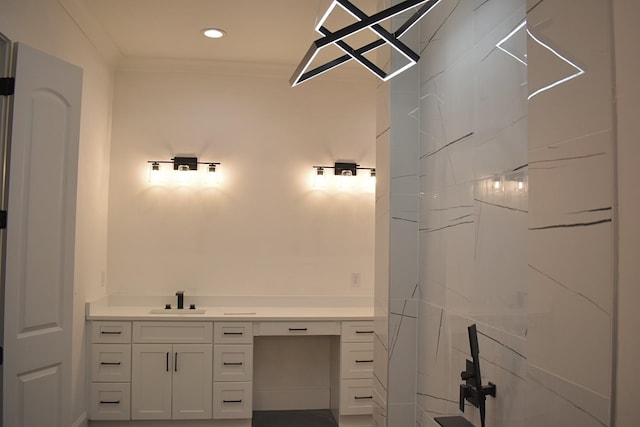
[(7, 86), (3, 220)]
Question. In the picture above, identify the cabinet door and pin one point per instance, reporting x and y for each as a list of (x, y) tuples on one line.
[(192, 381), (151, 373)]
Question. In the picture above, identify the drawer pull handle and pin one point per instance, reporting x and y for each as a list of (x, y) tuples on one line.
[(232, 401), (364, 361), (364, 332), (109, 402), (298, 329), (233, 363), (111, 332), (111, 363), (175, 366), (363, 397), (233, 333), (167, 361)]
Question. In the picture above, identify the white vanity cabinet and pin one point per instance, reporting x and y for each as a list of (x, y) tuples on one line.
[(110, 366), (233, 370), (171, 370), (206, 369)]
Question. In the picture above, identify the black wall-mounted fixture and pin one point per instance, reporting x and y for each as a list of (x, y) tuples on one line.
[(472, 390), (183, 163), (364, 21), (344, 169)]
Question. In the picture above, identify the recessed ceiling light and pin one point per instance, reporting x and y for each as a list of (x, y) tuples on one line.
[(213, 33)]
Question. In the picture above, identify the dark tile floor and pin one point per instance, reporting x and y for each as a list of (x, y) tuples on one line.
[(307, 418)]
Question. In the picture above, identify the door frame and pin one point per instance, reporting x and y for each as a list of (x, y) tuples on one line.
[(6, 55)]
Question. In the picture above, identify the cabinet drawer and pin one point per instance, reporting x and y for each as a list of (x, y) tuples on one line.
[(356, 397), (110, 401), (232, 400), (172, 332), (297, 328), (233, 332), (357, 332), (110, 332), (232, 362), (111, 363), (356, 360)]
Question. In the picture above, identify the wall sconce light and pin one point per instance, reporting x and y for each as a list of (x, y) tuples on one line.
[(183, 165), (344, 171)]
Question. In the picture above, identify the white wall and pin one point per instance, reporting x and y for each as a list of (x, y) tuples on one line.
[(47, 26), (264, 230)]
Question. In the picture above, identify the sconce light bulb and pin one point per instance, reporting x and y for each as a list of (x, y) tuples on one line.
[(347, 173), (212, 168), (373, 173), (155, 176), (319, 179), (183, 168)]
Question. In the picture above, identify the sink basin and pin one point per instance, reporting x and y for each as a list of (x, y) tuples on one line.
[(177, 311)]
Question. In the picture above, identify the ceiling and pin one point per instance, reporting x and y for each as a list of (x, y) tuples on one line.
[(258, 31)]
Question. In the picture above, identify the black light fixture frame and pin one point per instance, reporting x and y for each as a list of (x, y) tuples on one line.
[(339, 167), (178, 161), (301, 74)]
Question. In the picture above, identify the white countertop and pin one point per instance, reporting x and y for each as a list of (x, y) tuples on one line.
[(254, 308)]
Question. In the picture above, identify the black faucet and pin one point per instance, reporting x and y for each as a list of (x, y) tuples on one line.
[(180, 295)]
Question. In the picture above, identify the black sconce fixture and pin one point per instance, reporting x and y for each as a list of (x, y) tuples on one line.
[(344, 169), (183, 164)]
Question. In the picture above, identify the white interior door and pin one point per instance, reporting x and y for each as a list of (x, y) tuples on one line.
[(40, 241)]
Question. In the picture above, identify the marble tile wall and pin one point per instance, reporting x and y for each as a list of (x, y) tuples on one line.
[(571, 235), (472, 115), (514, 225), (397, 217)]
